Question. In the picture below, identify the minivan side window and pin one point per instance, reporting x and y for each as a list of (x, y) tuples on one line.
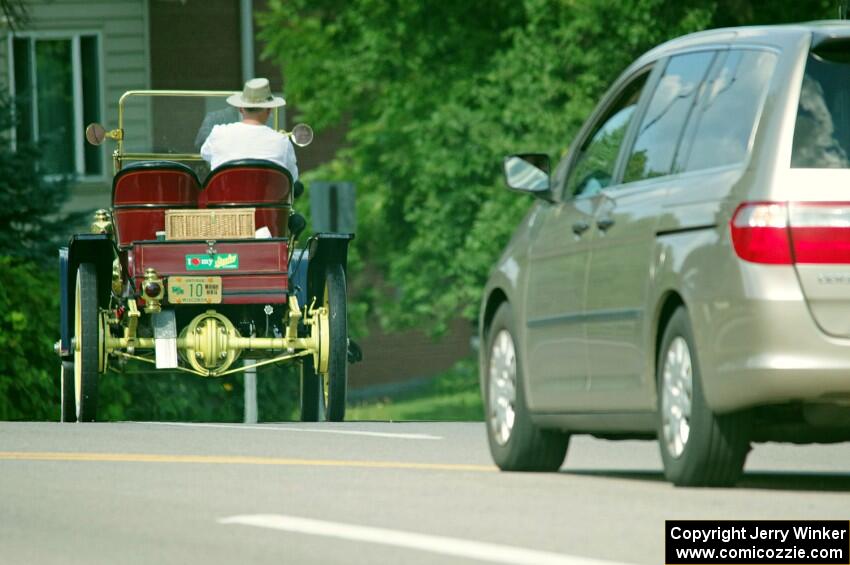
[(663, 123), (822, 130), (594, 165), (719, 133)]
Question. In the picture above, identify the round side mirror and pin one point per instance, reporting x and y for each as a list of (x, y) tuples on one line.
[(302, 135), (95, 134)]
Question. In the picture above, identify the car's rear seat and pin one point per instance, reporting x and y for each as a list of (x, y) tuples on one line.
[(142, 192), (252, 183)]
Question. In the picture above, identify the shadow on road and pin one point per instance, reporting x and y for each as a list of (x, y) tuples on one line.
[(653, 476), (756, 480), (799, 481)]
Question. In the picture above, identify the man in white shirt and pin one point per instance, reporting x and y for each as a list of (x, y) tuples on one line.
[(251, 138)]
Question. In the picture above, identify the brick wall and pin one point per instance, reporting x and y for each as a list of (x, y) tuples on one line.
[(398, 356)]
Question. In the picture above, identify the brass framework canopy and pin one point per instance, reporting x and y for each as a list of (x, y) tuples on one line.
[(120, 134), (301, 134)]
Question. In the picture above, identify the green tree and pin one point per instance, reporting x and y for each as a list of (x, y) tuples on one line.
[(32, 226), (31, 229), (436, 93), (29, 370)]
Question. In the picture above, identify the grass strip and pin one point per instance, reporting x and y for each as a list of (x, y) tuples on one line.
[(451, 396)]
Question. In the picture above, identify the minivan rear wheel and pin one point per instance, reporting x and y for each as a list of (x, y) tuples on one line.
[(698, 447), (516, 443)]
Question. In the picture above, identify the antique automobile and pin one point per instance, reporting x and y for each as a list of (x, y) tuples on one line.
[(199, 276)]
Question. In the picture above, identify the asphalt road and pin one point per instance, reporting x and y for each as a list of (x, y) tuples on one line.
[(364, 493)]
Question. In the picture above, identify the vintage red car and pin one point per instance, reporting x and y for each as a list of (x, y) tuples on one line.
[(185, 274)]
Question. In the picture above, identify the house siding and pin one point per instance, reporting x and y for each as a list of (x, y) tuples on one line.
[(124, 64)]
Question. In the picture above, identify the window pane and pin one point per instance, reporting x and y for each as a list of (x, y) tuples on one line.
[(595, 163), (822, 131), (55, 100), (91, 99), (22, 63), (662, 125), (728, 111)]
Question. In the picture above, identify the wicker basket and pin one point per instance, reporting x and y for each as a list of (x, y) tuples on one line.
[(232, 223)]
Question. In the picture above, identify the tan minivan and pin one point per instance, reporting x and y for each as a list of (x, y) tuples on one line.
[(685, 271)]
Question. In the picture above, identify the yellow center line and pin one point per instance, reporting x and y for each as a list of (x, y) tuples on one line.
[(230, 460)]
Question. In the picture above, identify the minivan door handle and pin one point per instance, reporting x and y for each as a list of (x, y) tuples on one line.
[(604, 224), (580, 227)]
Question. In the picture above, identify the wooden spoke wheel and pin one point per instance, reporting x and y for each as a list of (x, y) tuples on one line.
[(88, 344), (323, 394)]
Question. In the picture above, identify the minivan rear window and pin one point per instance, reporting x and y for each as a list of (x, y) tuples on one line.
[(822, 129), (719, 133), (668, 111)]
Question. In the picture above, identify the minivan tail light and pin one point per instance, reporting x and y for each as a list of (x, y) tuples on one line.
[(820, 232), (760, 233), (780, 233)]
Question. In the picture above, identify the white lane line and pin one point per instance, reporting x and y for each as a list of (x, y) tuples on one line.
[(494, 553), (300, 430)]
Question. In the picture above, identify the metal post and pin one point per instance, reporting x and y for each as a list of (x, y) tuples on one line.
[(250, 393), (246, 15), (247, 49)]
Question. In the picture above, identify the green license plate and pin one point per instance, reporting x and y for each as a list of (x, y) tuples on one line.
[(194, 290)]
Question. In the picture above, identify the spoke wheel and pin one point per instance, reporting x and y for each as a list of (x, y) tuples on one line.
[(336, 379), (88, 340), (325, 386), (516, 442), (323, 395), (698, 446)]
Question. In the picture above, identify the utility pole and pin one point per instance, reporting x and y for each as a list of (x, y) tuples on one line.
[(246, 15)]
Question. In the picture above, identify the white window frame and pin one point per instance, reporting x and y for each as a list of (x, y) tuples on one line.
[(77, 79)]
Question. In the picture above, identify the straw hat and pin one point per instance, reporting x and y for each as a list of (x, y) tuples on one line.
[(256, 94)]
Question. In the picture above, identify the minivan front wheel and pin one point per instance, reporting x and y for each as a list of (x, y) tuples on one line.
[(516, 443), (698, 447)]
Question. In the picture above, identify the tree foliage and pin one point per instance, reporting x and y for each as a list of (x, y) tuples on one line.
[(14, 12), (29, 370), (31, 228), (31, 224), (436, 93)]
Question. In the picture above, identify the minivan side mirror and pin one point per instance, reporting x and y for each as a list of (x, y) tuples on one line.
[(528, 172)]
